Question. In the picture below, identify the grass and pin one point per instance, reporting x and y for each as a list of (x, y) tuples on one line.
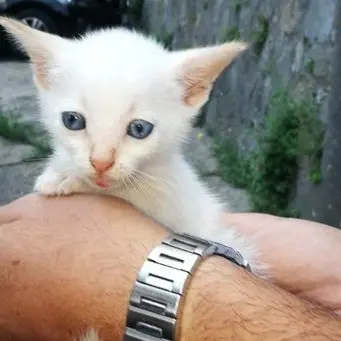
[(25, 133), (261, 35), (232, 33), (310, 66), (239, 4), (167, 40), (233, 167), (270, 65), (269, 173)]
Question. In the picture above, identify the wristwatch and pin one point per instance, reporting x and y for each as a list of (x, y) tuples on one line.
[(161, 283)]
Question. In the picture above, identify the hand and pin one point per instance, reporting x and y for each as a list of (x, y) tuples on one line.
[(304, 256), (68, 264)]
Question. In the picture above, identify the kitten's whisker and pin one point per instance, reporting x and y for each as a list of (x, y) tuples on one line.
[(135, 181), (151, 177), (140, 184), (131, 183), (157, 184), (146, 183), (137, 171), (146, 187), (124, 182)]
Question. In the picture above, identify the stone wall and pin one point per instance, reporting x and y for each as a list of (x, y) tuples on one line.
[(292, 45)]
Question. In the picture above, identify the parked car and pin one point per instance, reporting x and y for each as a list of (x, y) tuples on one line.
[(62, 17)]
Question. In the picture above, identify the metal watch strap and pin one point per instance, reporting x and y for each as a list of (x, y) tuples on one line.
[(161, 282)]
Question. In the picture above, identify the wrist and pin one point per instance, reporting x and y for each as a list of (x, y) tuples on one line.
[(225, 302), (162, 282), (201, 310)]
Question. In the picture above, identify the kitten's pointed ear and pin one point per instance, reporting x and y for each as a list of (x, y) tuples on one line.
[(198, 68), (36, 44)]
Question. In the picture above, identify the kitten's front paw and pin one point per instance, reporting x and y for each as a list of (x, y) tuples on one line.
[(51, 184)]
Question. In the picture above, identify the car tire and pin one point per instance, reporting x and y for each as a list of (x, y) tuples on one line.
[(38, 19)]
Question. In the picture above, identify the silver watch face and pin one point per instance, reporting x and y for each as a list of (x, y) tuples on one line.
[(161, 283)]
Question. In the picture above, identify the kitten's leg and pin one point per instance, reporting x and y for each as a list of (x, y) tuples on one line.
[(53, 181)]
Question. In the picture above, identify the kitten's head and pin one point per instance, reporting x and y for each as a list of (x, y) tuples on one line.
[(114, 99)]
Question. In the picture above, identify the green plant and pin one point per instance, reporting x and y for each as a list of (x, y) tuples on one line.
[(238, 4), (261, 35), (311, 144), (200, 119), (306, 42), (270, 65), (132, 13), (166, 38), (192, 17), (231, 33), (292, 131), (275, 163), (233, 167), (310, 66), (26, 133), (136, 7)]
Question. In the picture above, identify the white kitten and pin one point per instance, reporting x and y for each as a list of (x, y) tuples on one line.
[(118, 107)]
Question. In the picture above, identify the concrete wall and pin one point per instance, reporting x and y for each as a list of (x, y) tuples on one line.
[(293, 42)]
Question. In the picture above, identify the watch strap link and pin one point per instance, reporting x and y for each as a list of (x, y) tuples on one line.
[(161, 282)]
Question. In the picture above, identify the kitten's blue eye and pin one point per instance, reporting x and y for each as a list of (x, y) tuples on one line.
[(73, 120), (140, 129)]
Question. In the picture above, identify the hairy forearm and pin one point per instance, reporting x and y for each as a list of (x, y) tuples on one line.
[(69, 264), (224, 302)]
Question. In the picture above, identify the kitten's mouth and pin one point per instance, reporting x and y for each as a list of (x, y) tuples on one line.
[(102, 183)]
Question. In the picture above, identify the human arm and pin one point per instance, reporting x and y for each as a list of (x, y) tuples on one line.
[(68, 264), (226, 303), (304, 257)]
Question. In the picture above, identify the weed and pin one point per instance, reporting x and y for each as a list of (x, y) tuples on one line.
[(306, 42), (26, 133), (270, 65), (233, 167), (261, 35), (310, 66), (269, 172), (167, 40), (239, 4), (231, 33)]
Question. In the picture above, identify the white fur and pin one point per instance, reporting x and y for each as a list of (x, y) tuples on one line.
[(90, 335), (112, 77)]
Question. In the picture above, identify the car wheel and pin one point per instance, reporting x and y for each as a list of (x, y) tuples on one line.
[(38, 19)]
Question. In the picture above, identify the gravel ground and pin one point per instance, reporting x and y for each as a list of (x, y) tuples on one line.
[(17, 96), (17, 91)]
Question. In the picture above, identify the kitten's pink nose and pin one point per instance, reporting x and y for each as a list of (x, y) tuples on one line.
[(102, 165)]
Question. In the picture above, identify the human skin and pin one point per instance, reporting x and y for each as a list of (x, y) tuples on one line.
[(69, 264), (304, 256)]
